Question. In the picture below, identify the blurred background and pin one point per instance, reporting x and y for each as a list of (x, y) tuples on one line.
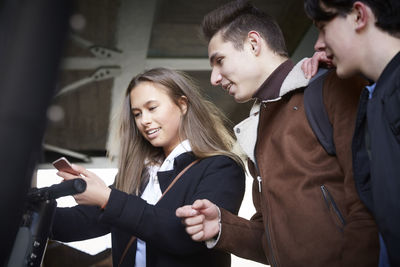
[(113, 40)]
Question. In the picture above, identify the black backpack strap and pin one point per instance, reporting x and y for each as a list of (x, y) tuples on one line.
[(316, 112)]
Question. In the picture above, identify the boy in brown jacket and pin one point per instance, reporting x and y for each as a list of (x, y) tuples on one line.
[(307, 209)]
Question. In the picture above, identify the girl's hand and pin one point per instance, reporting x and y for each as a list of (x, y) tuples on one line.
[(96, 193)]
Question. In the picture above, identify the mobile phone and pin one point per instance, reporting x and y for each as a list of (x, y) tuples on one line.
[(62, 164)]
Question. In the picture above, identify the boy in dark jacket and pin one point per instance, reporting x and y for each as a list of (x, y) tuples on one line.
[(364, 37)]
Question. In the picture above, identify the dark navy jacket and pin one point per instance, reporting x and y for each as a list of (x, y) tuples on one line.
[(217, 178), (377, 175)]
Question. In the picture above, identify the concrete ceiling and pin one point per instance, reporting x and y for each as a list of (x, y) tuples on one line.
[(112, 40)]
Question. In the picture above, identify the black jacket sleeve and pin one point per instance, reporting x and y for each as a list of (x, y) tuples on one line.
[(219, 179), (78, 223)]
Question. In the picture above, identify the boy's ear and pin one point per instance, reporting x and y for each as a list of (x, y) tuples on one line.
[(255, 41), (362, 14)]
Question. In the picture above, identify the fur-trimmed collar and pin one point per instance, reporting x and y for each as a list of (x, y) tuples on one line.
[(294, 80), (246, 131)]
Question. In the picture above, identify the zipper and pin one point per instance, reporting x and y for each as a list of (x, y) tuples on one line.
[(259, 180), (272, 260), (259, 183), (330, 202)]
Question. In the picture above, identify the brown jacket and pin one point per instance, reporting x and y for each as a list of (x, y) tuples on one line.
[(307, 209)]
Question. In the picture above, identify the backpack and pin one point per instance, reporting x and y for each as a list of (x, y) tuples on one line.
[(316, 113)]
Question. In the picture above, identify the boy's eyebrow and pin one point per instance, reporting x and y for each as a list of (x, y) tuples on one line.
[(212, 58)]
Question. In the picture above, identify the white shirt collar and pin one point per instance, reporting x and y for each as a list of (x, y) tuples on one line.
[(168, 163)]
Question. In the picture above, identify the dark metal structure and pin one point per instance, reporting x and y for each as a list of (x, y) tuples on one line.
[(32, 37)]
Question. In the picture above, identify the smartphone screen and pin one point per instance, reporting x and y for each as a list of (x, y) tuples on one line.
[(62, 164)]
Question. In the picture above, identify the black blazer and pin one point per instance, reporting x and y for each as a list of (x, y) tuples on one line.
[(217, 178)]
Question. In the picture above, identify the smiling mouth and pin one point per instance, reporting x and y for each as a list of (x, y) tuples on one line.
[(153, 131), (329, 63), (227, 87)]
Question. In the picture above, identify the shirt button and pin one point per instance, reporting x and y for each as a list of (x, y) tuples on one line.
[(237, 130)]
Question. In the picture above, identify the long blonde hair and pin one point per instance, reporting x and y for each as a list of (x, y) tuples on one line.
[(203, 125)]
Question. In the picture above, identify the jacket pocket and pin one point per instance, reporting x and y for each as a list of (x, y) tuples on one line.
[(333, 208)]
